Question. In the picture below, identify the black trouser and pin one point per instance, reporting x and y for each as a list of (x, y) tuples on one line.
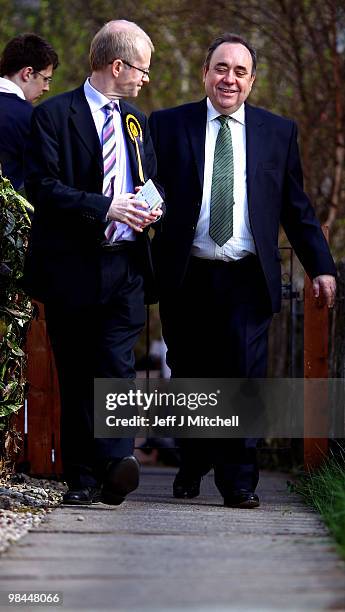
[(217, 327), (95, 341)]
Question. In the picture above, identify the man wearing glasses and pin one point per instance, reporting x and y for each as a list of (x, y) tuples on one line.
[(89, 252), (26, 67)]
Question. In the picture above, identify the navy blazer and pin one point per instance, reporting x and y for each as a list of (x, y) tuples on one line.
[(274, 188), (64, 181), (15, 116)]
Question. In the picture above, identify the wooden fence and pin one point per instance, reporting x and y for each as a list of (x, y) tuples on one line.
[(40, 419)]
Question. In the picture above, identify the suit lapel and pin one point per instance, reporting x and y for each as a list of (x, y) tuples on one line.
[(83, 122), (196, 129), (254, 140), (126, 109)]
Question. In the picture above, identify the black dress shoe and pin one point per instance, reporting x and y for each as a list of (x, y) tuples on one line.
[(186, 486), (82, 497), (121, 478), (242, 499)]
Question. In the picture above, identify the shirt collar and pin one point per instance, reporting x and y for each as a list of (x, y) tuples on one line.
[(7, 86), (95, 98), (238, 115)]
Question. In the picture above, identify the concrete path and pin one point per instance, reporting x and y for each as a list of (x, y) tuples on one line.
[(156, 554)]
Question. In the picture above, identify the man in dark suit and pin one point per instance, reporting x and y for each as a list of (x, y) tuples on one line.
[(90, 151), (26, 68), (231, 173)]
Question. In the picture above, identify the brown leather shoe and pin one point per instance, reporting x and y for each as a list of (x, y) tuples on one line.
[(242, 499), (121, 477)]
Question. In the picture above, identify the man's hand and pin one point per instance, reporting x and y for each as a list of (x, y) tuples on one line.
[(156, 213), (324, 286), (127, 209)]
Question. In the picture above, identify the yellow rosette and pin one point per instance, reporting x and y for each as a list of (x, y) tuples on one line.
[(136, 135)]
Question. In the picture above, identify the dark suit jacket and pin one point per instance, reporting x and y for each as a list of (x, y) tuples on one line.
[(15, 116), (64, 179), (274, 187)]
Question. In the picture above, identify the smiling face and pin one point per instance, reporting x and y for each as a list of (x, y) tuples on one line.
[(228, 79)]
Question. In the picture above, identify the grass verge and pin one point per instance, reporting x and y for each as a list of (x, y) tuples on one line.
[(324, 490)]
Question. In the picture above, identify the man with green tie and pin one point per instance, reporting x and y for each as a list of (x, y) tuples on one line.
[(231, 174)]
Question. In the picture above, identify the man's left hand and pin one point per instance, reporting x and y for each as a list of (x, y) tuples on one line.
[(324, 286)]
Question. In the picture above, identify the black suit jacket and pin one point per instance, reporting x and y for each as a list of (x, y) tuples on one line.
[(64, 180), (274, 188)]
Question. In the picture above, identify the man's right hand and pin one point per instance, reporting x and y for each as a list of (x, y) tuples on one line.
[(127, 209)]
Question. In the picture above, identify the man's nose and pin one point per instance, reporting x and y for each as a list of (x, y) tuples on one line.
[(229, 77)]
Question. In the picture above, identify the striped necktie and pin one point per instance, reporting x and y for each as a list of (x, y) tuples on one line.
[(109, 160), (222, 190)]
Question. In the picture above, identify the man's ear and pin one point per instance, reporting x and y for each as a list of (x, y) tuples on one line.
[(204, 72), (116, 67), (26, 72)]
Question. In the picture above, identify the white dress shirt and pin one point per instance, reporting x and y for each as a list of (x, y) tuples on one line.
[(7, 86), (123, 182), (241, 243)]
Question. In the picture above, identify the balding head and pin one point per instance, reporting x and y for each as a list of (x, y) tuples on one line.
[(118, 39)]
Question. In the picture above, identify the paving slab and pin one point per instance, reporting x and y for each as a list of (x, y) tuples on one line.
[(160, 554)]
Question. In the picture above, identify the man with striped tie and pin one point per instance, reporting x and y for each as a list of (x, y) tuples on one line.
[(89, 253), (231, 173)]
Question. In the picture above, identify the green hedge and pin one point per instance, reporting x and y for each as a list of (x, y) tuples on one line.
[(15, 307)]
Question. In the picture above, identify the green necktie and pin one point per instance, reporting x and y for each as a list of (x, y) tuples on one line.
[(222, 191)]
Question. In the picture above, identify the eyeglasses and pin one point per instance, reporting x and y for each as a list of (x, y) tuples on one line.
[(145, 72), (46, 79)]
